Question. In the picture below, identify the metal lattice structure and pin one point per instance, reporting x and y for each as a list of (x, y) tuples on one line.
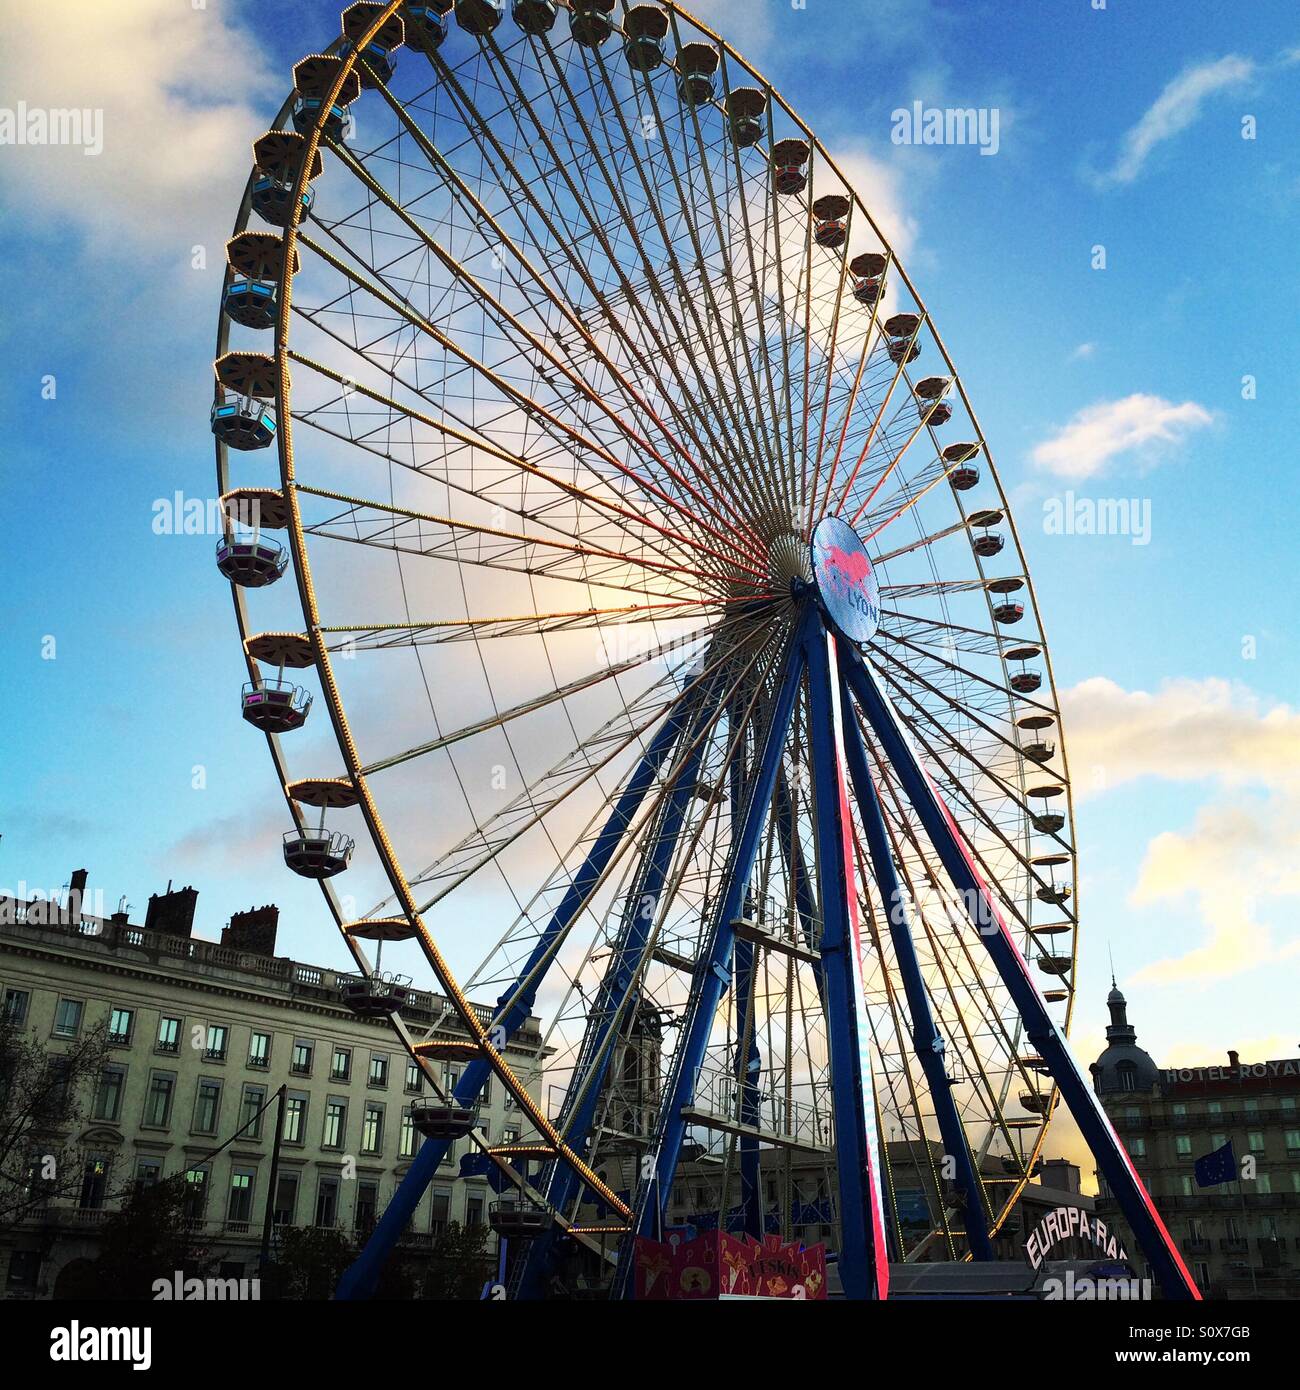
[(580, 346)]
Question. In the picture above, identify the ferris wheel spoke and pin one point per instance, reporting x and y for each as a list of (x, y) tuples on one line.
[(1011, 792), (869, 342), (944, 945), (955, 636), (979, 996), (686, 759), (559, 694), (968, 676), (718, 396), (401, 529), (531, 344), (541, 798), (521, 399), (895, 377), (766, 429), (507, 244), (572, 489), (438, 631), (660, 353)]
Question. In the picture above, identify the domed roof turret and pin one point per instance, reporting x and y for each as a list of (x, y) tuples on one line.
[(1123, 1066)]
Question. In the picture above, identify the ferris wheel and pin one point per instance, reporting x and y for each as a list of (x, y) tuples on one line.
[(641, 635)]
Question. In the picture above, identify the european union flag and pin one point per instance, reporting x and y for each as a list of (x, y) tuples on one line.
[(1220, 1165)]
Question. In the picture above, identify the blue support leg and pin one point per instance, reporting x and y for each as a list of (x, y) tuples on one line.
[(749, 1057), (927, 1041), (713, 973), (362, 1276), (1175, 1280), (864, 1259), (579, 1111)]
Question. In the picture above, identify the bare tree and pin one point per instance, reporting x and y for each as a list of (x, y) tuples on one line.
[(44, 1095)]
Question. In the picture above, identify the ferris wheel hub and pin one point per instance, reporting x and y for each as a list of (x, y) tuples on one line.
[(845, 579)]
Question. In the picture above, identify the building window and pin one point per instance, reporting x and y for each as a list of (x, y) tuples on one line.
[(295, 1117), (218, 1039), (1126, 1074), (510, 1135), (473, 1210), (1292, 1137), (372, 1128), (158, 1103), (24, 1269), (1183, 1145), (259, 1050), (94, 1183), (1137, 1148), (250, 1111), (336, 1116), (327, 1203), (120, 1024), (1188, 1189), (378, 1074), (1295, 1179), (367, 1204), (1255, 1141), (67, 1018), (16, 1005), (169, 1034), (239, 1210), (1263, 1182), (207, 1106), (286, 1199), (1215, 1108), (486, 1093), (196, 1194), (108, 1094), (406, 1137), (1178, 1110), (148, 1172), (300, 1063), (440, 1210), (1217, 1141), (341, 1064)]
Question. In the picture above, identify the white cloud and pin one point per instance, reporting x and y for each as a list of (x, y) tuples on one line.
[(1083, 352), (1104, 431), (879, 185), (1241, 855), (1188, 730), (1235, 860), (1176, 108), (178, 89)]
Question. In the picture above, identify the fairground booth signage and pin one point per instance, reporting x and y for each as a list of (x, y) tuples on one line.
[(719, 1265), (1065, 1223)]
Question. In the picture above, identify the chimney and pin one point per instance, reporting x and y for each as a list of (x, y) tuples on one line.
[(1234, 1061), (76, 895), (172, 912), (253, 931)]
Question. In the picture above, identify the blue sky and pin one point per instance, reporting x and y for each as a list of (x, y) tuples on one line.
[(1120, 127)]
